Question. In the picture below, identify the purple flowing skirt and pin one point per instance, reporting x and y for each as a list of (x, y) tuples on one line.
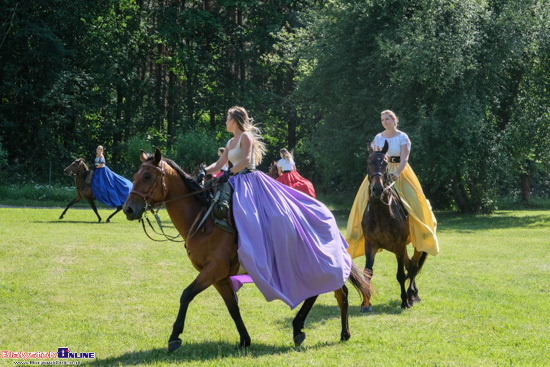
[(289, 242), (110, 188)]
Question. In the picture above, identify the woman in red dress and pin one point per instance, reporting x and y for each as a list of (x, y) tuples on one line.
[(290, 177)]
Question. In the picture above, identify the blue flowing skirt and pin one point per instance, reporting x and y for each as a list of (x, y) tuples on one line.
[(110, 188), (289, 242)]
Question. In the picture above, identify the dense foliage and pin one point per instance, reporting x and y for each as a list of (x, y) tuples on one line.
[(468, 79)]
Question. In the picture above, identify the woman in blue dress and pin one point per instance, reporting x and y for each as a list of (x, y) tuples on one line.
[(288, 241), (107, 186)]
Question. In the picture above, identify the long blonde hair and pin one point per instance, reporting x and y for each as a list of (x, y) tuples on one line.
[(287, 156), (246, 124)]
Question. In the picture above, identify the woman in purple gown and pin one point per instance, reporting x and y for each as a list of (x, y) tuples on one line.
[(289, 242)]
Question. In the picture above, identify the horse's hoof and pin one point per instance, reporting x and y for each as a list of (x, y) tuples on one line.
[(173, 345), (345, 336), (108, 221), (61, 217), (299, 339), (366, 309), (243, 344)]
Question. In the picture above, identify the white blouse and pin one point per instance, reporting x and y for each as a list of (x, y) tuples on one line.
[(286, 166), (394, 143)]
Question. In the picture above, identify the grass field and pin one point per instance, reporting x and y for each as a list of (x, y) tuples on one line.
[(106, 288)]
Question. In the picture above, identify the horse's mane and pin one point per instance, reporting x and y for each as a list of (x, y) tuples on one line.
[(190, 183)]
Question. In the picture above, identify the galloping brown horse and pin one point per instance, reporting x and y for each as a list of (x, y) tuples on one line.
[(80, 170), (212, 251), (386, 226)]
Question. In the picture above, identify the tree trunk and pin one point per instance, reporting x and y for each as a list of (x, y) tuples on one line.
[(213, 119), (460, 196), (171, 117), (291, 114), (526, 183)]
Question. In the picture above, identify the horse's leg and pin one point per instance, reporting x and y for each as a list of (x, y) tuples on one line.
[(118, 208), (401, 278), (342, 298), (226, 291), (198, 285), (370, 254), (416, 264), (76, 200), (92, 204), (298, 322)]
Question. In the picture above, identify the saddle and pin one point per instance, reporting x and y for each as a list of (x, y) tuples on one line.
[(222, 210)]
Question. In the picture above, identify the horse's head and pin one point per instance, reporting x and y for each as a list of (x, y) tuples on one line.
[(378, 170), (273, 171), (76, 167), (149, 187)]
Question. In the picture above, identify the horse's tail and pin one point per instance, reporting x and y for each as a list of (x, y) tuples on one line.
[(360, 281), (421, 261)]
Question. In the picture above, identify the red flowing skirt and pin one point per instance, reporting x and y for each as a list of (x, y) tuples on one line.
[(294, 180)]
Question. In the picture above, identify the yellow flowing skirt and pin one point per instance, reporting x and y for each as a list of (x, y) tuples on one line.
[(422, 223)]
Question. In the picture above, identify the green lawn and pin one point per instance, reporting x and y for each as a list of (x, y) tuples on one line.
[(106, 288)]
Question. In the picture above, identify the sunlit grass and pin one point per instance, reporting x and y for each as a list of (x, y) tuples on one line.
[(106, 288)]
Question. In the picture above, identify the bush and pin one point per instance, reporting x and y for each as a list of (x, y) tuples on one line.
[(133, 148), (192, 148), (33, 194)]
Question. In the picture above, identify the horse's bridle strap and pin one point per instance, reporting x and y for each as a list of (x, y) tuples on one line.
[(160, 178)]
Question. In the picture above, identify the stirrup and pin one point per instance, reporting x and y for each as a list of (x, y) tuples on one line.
[(223, 224)]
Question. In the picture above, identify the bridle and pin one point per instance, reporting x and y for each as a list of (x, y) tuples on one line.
[(149, 194), (160, 179), (385, 179)]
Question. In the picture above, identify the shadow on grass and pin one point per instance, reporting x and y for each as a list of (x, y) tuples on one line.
[(498, 220), (320, 314), (64, 221), (202, 351), (471, 222), (392, 307)]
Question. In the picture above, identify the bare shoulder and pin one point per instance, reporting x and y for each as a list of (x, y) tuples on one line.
[(247, 138)]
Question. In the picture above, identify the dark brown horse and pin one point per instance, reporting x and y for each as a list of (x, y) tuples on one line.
[(80, 171), (386, 226), (273, 171), (212, 251)]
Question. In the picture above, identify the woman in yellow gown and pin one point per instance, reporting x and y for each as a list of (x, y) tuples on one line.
[(422, 222)]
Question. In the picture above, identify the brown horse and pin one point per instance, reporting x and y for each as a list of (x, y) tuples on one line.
[(386, 226), (212, 251), (273, 171), (80, 170)]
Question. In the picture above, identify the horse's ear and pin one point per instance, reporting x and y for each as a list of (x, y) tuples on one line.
[(158, 157), (371, 148), (142, 156), (386, 147)]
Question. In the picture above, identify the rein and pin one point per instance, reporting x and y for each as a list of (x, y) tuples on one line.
[(387, 189), (149, 194), (158, 205), (168, 237)]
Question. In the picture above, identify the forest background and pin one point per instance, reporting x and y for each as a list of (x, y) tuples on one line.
[(469, 80)]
